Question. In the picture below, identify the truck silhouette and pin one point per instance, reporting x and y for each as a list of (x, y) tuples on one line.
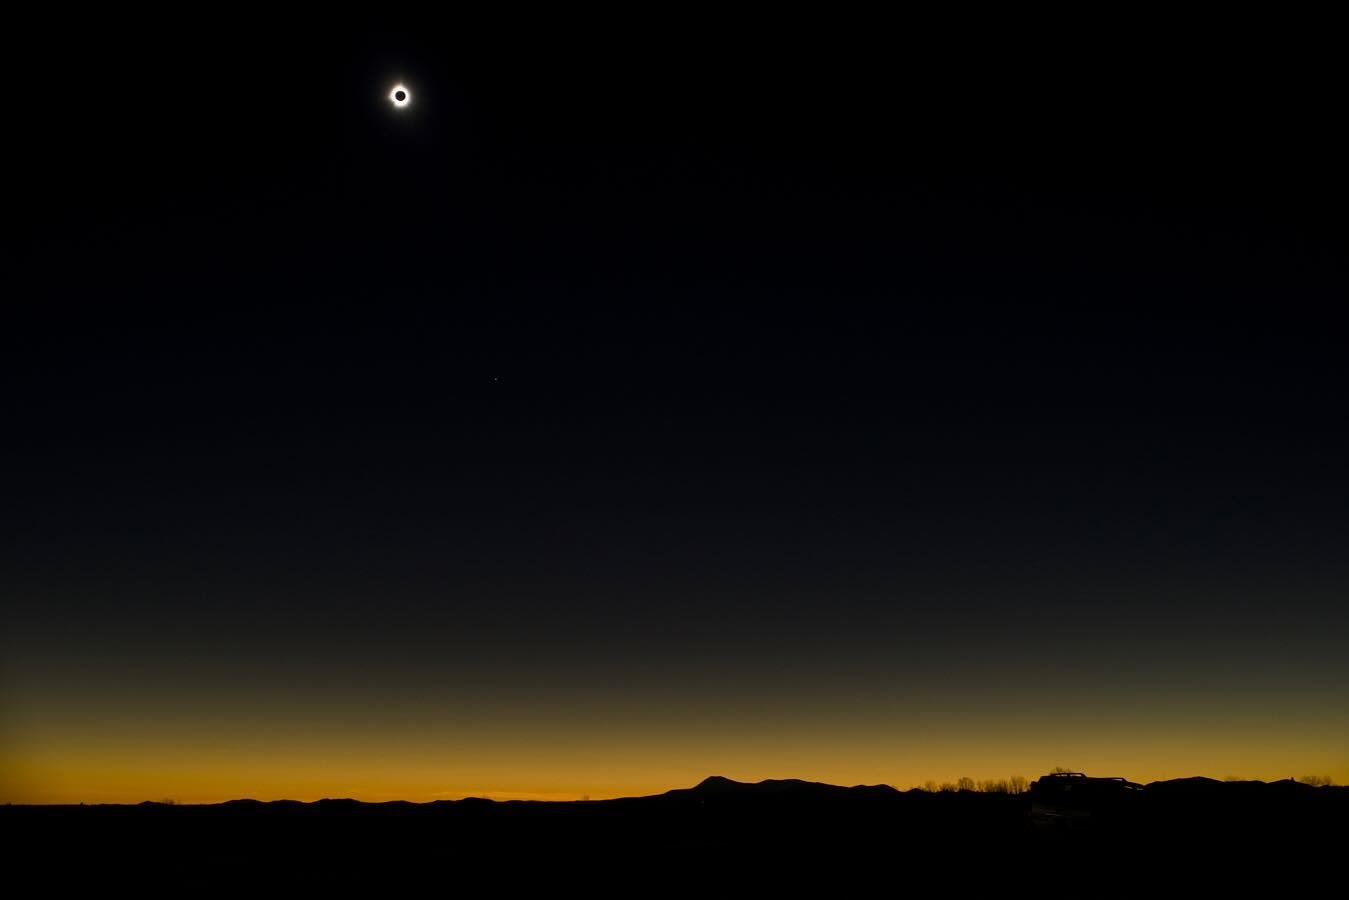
[(1071, 799)]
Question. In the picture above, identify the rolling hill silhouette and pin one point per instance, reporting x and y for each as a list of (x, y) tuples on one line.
[(775, 824)]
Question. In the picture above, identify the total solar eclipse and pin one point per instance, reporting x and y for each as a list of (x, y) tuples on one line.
[(400, 96)]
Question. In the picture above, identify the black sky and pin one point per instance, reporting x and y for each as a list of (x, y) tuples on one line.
[(699, 350)]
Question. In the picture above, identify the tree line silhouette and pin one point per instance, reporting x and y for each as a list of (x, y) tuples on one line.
[(1017, 784)]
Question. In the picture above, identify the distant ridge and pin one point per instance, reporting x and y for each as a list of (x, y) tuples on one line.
[(720, 785), (716, 820)]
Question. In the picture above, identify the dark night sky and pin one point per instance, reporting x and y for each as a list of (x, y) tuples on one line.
[(753, 401)]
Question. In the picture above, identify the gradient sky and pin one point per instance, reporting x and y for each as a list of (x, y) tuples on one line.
[(945, 406)]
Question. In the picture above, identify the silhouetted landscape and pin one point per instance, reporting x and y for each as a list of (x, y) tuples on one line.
[(401, 407), (1197, 822)]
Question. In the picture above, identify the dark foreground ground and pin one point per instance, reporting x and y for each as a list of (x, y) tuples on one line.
[(776, 832)]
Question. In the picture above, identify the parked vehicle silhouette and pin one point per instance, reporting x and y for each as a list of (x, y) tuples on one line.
[(1072, 799)]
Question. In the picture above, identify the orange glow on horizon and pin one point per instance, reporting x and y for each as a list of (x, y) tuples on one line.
[(72, 775), (122, 740)]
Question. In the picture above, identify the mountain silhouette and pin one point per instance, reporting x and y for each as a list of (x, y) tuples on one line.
[(718, 821), (719, 784)]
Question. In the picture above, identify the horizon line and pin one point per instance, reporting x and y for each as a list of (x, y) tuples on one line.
[(978, 787)]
